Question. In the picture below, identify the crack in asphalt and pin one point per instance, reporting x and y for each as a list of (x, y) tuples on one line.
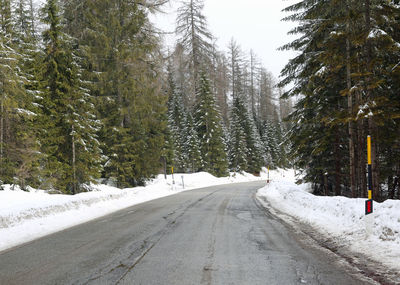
[(208, 268)]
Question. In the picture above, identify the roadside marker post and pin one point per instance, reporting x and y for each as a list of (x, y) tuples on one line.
[(173, 179), (369, 204), (183, 182), (268, 175)]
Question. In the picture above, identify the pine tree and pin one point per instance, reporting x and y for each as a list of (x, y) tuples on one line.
[(25, 39), (238, 152), (221, 83), (244, 126), (10, 90), (194, 38), (69, 139), (341, 46), (236, 62), (177, 120), (270, 144), (194, 159), (123, 62), (178, 126), (18, 146), (209, 129)]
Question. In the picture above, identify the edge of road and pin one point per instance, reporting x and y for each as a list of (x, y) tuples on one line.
[(354, 263)]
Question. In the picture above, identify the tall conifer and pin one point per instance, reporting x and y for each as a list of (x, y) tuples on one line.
[(209, 129)]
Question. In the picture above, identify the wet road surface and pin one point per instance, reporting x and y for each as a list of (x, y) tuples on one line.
[(215, 235)]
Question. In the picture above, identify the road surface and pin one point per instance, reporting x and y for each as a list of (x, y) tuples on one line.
[(215, 235)]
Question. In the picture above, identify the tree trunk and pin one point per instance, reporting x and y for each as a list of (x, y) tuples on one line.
[(73, 161), (194, 52), (326, 184), (2, 128), (363, 163), (32, 16), (351, 127), (338, 191), (361, 159), (391, 187), (252, 67)]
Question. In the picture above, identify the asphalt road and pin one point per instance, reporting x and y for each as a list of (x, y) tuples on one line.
[(216, 235)]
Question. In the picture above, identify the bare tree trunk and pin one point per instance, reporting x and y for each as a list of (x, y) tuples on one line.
[(361, 159), (252, 68), (73, 161), (32, 15), (350, 112), (2, 128), (338, 191), (194, 52), (326, 184), (233, 76)]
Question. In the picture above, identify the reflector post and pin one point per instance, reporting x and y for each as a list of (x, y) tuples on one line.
[(369, 150), (369, 207), (368, 203)]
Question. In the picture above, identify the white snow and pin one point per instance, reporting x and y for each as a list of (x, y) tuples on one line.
[(374, 33), (25, 216), (339, 218), (25, 112)]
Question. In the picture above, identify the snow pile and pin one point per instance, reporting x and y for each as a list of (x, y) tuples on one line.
[(339, 218), (25, 216)]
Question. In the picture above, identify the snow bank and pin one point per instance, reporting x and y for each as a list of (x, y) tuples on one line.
[(25, 216), (340, 218)]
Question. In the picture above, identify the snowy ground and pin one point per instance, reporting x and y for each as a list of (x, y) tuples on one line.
[(25, 216), (339, 219)]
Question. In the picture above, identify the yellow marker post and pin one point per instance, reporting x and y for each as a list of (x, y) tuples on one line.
[(369, 168), (172, 172), (369, 209)]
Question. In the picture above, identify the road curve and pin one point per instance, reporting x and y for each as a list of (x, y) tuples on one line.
[(215, 235)]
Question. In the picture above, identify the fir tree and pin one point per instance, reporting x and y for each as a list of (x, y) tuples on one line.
[(69, 139), (245, 137), (123, 63), (25, 39), (341, 46), (177, 124), (18, 146), (238, 152), (209, 129), (194, 159)]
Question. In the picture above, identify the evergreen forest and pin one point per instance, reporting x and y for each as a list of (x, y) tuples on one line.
[(89, 93), (346, 78)]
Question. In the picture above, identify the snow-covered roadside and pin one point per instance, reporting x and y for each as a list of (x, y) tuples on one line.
[(25, 216), (339, 218)]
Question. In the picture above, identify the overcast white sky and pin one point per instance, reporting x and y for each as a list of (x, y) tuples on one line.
[(254, 24)]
